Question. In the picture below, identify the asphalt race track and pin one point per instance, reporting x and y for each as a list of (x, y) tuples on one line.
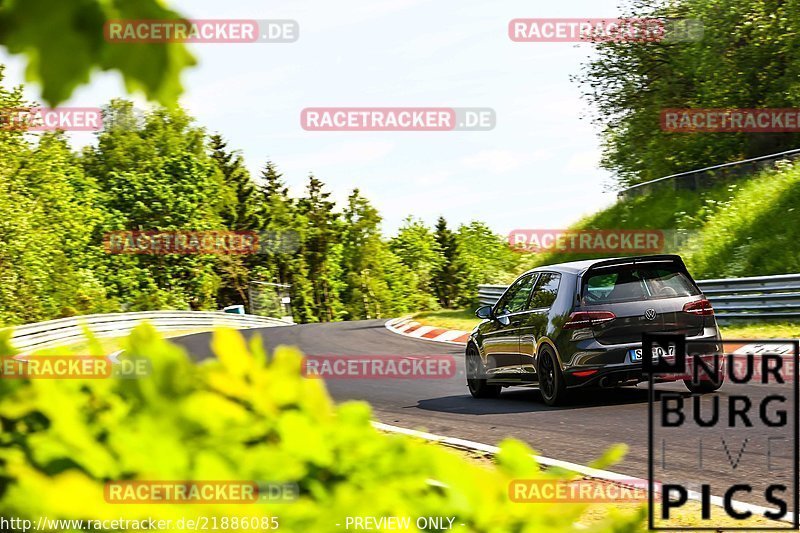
[(577, 432)]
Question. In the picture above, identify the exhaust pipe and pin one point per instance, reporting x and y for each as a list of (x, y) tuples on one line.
[(610, 381)]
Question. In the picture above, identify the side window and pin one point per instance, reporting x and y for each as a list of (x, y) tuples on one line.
[(517, 296), (546, 290)]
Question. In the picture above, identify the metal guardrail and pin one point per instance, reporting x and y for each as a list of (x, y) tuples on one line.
[(708, 176), (489, 294), (734, 299), (754, 298), (70, 330)]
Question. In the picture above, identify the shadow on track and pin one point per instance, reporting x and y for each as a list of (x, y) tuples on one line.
[(530, 401)]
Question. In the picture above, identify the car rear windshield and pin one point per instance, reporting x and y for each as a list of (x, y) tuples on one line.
[(636, 282)]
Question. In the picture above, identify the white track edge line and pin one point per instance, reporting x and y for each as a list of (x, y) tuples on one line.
[(573, 467)]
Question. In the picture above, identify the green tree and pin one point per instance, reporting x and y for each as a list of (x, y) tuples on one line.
[(158, 171), (48, 219), (366, 293), (449, 277), (155, 174), (748, 57), (487, 259), (416, 247), (48, 214), (69, 215), (320, 234), (239, 207), (282, 231)]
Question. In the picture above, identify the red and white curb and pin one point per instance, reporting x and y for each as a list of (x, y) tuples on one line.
[(759, 348), (408, 327)]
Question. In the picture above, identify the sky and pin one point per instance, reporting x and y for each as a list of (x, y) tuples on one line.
[(538, 168)]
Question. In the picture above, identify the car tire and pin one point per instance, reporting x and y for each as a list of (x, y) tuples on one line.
[(478, 387), (703, 387), (551, 380)]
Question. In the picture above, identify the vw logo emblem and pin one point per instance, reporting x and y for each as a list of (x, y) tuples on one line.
[(650, 314)]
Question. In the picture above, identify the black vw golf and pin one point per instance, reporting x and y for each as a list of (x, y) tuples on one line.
[(580, 324)]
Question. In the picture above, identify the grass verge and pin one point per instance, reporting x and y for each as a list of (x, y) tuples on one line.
[(746, 228), (465, 319), (762, 330), (689, 515)]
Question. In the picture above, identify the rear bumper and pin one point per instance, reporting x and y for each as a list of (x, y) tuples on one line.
[(595, 364)]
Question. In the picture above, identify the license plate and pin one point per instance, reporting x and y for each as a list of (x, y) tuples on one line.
[(658, 351)]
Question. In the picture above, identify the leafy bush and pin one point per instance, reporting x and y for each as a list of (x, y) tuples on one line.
[(244, 416), (755, 233)]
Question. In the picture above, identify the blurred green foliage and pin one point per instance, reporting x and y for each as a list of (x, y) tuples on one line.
[(247, 416), (64, 43)]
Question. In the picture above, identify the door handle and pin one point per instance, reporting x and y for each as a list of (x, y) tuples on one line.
[(516, 323)]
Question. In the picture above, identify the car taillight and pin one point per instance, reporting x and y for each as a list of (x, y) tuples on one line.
[(700, 307), (588, 319)]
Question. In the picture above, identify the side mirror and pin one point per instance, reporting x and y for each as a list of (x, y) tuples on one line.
[(484, 312)]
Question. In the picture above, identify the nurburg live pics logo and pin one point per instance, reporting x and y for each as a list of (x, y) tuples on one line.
[(740, 443)]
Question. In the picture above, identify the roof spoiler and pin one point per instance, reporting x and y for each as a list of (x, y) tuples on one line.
[(672, 258)]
